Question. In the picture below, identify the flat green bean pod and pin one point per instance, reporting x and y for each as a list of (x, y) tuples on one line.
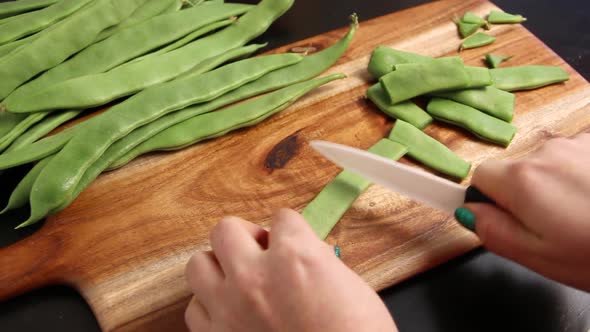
[(41, 129), (494, 61), (20, 194), (38, 20), (58, 180), (384, 58), (472, 18), (311, 66), (35, 151), (407, 111), (527, 77), (9, 47), (95, 90), (498, 17), (429, 151), (11, 8), (480, 124), (489, 99), (415, 79), (478, 77), (129, 43), (144, 12), (211, 125), (25, 124), (9, 120), (185, 40), (478, 40), (58, 43), (326, 209)]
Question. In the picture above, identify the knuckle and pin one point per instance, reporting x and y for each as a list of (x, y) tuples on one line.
[(223, 226)]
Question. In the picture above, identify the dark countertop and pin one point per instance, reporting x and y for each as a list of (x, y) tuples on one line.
[(476, 292)]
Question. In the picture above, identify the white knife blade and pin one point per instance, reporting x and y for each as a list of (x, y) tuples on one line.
[(409, 181)]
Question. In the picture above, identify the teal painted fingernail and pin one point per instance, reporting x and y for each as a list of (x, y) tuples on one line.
[(337, 251), (465, 218)]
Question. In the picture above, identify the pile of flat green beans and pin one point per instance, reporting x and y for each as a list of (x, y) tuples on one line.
[(184, 69)]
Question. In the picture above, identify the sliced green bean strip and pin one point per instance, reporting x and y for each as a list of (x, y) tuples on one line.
[(58, 43), (59, 179), (210, 125), (498, 17), (494, 61), (489, 99), (429, 151), (435, 75), (480, 124), (384, 58), (328, 207), (38, 20), (29, 121), (11, 8), (214, 124), (311, 66), (42, 129), (467, 29), (9, 120), (407, 111), (20, 194), (95, 90), (478, 40), (472, 18), (185, 40), (144, 12), (130, 43), (478, 77), (35, 151), (527, 77)]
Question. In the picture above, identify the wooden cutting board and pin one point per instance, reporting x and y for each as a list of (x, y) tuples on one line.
[(124, 242)]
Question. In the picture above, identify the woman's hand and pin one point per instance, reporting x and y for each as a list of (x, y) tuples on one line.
[(544, 217), (283, 280)]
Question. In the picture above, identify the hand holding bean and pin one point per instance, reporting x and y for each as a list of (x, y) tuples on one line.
[(544, 219), (283, 280)]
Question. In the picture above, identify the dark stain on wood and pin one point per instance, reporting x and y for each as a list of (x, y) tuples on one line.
[(282, 152)]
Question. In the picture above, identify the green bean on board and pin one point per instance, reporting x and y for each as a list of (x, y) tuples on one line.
[(477, 40), (12, 8), (494, 61), (20, 194), (37, 150), (59, 178), (498, 17), (311, 66), (8, 121), (186, 39), (95, 90), (38, 20), (9, 47), (429, 151), (144, 12), (527, 77), (58, 43), (384, 58), (467, 29), (480, 124), (472, 18), (129, 43), (208, 126), (326, 209), (478, 77), (407, 111), (43, 128), (25, 124), (436, 75), (489, 99)]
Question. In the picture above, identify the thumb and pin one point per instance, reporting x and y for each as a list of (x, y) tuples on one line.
[(500, 232)]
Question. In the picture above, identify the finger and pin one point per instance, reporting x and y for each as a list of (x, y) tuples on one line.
[(196, 317), (204, 276), (288, 224), (490, 178), (234, 243), (503, 234)]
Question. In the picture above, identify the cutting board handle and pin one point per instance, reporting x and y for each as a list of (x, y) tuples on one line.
[(29, 264)]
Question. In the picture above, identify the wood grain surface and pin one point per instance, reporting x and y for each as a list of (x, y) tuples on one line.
[(124, 242)]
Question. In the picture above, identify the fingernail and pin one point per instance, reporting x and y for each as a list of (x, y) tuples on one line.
[(337, 251), (465, 218)]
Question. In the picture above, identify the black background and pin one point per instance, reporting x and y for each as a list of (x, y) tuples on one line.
[(476, 292)]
